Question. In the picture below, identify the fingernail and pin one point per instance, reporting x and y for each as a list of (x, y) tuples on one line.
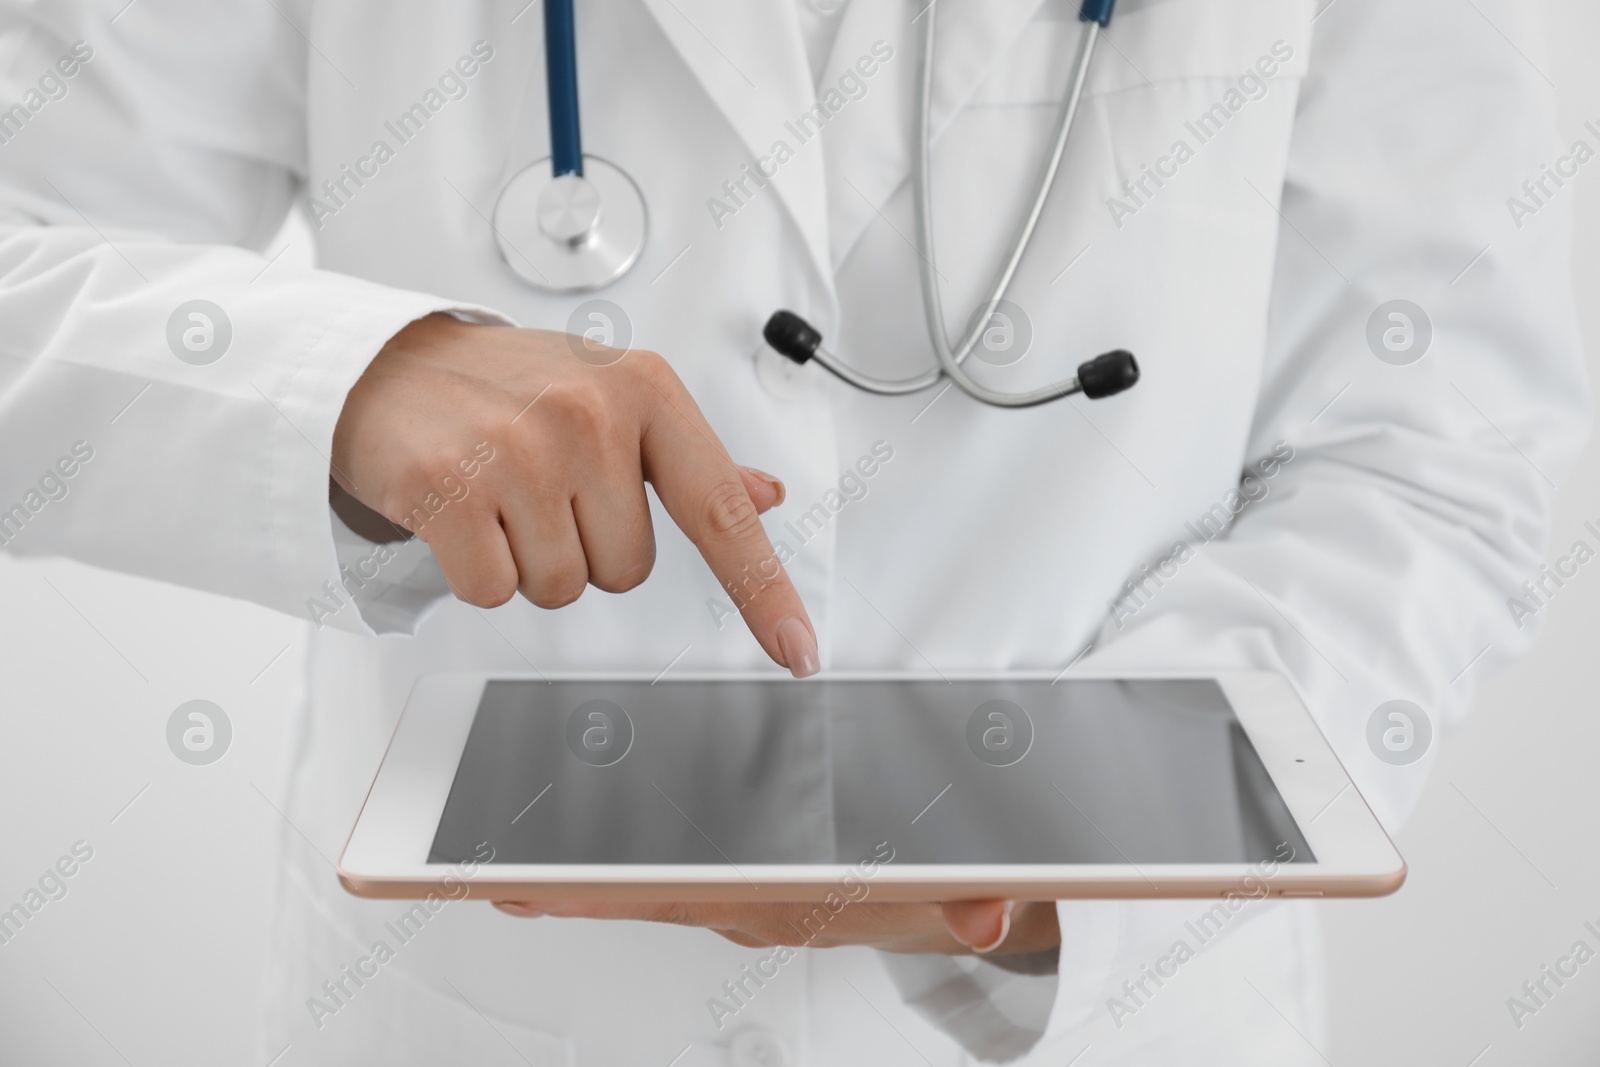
[(799, 648), (1005, 931), (777, 485), (525, 911)]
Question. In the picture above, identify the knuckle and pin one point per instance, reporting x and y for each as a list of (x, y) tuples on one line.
[(628, 576), (526, 451), (410, 517), (588, 412), (729, 512), (654, 369), (489, 592), (558, 587), (646, 362), (432, 468), (577, 400), (499, 593), (534, 470), (433, 482)]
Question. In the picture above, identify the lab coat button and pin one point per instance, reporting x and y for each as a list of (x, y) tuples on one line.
[(758, 1048), (784, 378)]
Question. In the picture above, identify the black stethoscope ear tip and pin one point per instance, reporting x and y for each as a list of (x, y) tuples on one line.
[(791, 336), (1108, 375)]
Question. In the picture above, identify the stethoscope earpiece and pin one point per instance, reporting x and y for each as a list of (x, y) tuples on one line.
[(1105, 375), (1109, 374), (792, 336), (796, 339)]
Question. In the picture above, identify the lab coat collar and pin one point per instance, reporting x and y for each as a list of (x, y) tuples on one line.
[(750, 58), (871, 141)]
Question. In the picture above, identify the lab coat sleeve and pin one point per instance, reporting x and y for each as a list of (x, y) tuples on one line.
[(1385, 557), (146, 179)]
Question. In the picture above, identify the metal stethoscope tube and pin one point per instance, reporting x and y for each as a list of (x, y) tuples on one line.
[(1103, 376)]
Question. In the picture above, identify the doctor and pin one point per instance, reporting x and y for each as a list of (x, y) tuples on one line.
[(1251, 187)]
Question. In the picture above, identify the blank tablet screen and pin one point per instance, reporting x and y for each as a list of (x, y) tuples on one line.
[(782, 772)]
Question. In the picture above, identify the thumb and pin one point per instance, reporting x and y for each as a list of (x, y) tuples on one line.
[(981, 925), (766, 492)]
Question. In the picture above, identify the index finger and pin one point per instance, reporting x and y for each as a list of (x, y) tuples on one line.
[(705, 494)]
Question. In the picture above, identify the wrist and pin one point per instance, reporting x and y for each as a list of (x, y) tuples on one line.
[(364, 423), (437, 328)]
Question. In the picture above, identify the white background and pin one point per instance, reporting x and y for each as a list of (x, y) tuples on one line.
[(154, 954), (1422, 978)]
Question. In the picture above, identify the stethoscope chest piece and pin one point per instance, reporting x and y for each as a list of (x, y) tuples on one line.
[(567, 233)]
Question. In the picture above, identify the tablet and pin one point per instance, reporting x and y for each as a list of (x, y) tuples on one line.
[(762, 788)]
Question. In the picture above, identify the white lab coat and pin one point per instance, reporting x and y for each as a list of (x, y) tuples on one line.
[(1375, 166)]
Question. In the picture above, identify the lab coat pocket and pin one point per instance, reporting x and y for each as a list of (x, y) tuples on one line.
[(1160, 233), (1171, 175), (1152, 43)]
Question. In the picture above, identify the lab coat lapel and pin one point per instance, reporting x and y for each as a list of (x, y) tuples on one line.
[(751, 60), (871, 141)]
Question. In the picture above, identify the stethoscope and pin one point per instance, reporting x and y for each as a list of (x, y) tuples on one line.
[(574, 222)]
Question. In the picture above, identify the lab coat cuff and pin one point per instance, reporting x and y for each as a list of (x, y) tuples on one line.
[(315, 551), (998, 1014), (391, 585), (1091, 938)]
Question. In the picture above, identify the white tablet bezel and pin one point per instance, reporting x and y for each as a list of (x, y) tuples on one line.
[(1354, 857)]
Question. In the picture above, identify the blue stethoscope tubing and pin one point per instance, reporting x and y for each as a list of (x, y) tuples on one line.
[(561, 78), (585, 222), (571, 222)]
